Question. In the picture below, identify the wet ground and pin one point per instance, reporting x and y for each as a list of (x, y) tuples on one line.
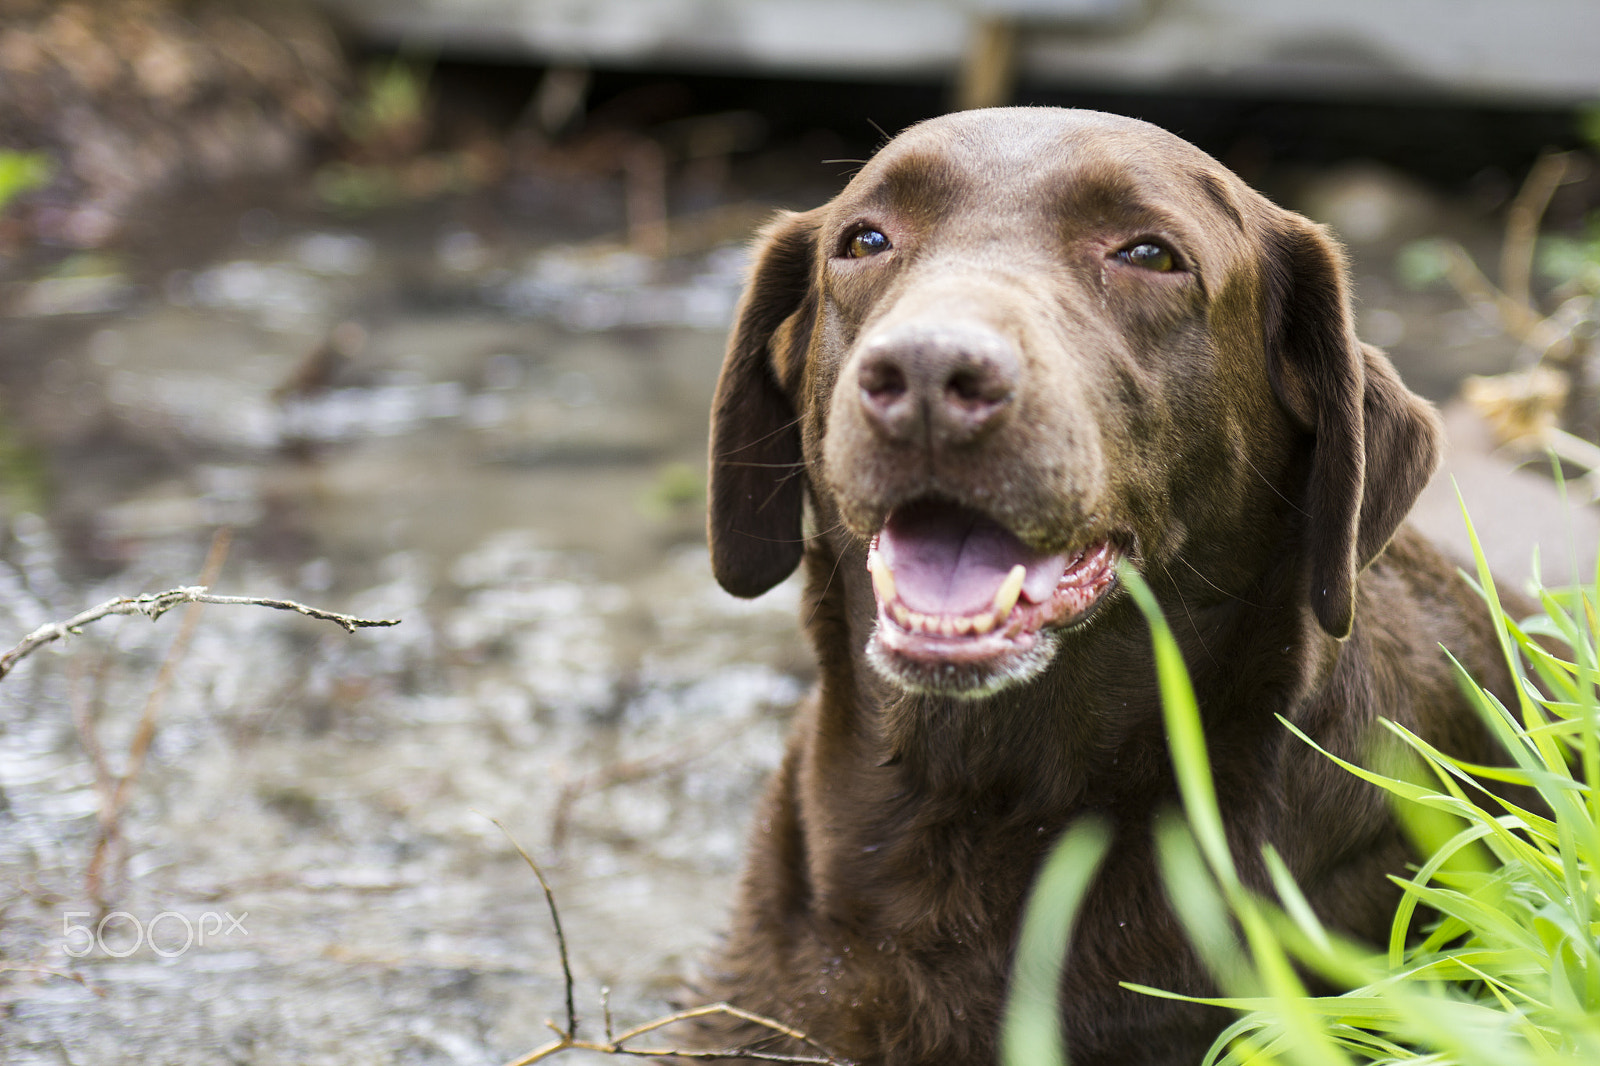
[(487, 419), (507, 455)]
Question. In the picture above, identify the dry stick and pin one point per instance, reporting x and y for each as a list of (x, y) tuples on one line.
[(156, 604), (555, 920), (1522, 225), (614, 1047), (1553, 337), (144, 733), (153, 605), (567, 1039), (1521, 321), (737, 1012), (45, 972), (1512, 300), (86, 708)]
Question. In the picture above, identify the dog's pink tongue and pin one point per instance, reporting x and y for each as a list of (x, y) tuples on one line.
[(950, 560)]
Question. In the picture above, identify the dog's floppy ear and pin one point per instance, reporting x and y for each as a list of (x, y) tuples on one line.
[(757, 482), (1375, 442)]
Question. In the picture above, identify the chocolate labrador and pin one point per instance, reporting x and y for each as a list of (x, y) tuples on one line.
[(1021, 347)]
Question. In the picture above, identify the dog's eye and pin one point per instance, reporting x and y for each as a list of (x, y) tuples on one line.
[(868, 242), (1148, 255)]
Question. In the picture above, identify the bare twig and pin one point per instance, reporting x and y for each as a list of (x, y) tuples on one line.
[(86, 708), (115, 791), (1522, 225), (156, 604), (64, 975), (144, 733), (1560, 340), (566, 1042), (1522, 321), (567, 1039), (729, 1009), (1511, 302), (555, 920)]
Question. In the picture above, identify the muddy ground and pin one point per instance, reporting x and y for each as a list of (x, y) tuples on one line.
[(483, 414)]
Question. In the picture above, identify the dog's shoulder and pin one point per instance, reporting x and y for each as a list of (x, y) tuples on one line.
[(1417, 604), (1417, 617)]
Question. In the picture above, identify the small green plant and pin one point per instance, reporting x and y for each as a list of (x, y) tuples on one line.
[(22, 172), (677, 488), (389, 117), (1573, 263), (24, 473), (386, 124), (1505, 972)]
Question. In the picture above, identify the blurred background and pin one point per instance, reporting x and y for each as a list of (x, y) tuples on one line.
[(412, 308)]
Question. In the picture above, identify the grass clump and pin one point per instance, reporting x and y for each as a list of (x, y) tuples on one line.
[(1494, 951)]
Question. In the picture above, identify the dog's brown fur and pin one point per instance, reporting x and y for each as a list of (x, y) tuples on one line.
[(1224, 424)]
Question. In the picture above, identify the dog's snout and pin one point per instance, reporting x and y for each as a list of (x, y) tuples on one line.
[(944, 385)]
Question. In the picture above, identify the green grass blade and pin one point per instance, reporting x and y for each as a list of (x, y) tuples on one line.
[(1185, 737), (1030, 1032)]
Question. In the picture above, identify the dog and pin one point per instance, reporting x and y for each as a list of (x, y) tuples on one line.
[(1022, 348)]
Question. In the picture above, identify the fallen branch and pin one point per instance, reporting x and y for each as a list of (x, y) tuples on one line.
[(568, 1040), (155, 604)]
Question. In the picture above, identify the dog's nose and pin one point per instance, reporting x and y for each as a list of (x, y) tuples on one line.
[(944, 384)]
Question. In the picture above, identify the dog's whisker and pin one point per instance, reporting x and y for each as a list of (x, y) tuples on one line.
[(772, 540), (1230, 595), (838, 561), (797, 465), (1193, 625), (777, 489), (1268, 482), (775, 431), (837, 527)]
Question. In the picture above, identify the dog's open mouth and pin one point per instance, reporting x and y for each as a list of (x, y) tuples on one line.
[(963, 603)]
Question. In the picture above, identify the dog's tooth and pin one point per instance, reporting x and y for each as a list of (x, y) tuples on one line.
[(947, 626), (902, 614), (1010, 589), (919, 621), (982, 623), (963, 625), (882, 577)]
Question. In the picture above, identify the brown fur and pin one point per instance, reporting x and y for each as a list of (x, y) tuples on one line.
[(1225, 422)]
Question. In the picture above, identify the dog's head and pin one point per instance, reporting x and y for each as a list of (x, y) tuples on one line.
[(1025, 344)]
